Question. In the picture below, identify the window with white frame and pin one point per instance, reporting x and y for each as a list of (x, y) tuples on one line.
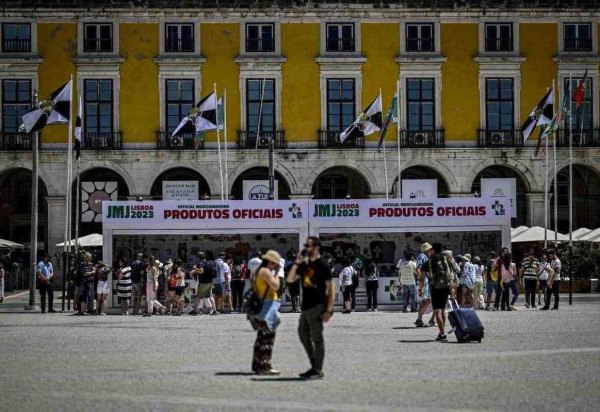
[(179, 37), (98, 107), (260, 37), (419, 37), (16, 37), (498, 37), (577, 36), (340, 37), (179, 100), (420, 103), (16, 101), (499, 104), (98, 37), (260, 104), (341, 103), (583, 118)]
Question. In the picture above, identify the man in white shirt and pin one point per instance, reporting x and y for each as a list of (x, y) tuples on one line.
[(254, 264), (553, 281), (346, 284), (223, 282), (407, 269)]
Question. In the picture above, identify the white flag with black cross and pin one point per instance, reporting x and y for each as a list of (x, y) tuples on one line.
[(369, 122)]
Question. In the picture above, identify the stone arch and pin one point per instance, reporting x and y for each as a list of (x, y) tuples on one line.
[(15, 206), (338, 182), (280, 169), (86, 166), (259, 173), (373, 185), (179, 173), (428, 172), (531, 184)]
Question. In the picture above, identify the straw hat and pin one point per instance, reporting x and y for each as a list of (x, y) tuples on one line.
[(272, 256), (425, 247)]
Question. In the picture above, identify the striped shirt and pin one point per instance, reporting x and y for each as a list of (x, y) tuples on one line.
[(124, 284), (530, 268)]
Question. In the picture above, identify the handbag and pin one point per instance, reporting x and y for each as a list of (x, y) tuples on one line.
[(252, 303)]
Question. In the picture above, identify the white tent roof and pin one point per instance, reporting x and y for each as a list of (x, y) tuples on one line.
[(582, 231), (93, 240), (10, 244), (592, 236), (536, 234), (517, 231)]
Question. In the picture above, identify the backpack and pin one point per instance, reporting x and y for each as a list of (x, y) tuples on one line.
[(441, 276), (209, 271), (238, 272)]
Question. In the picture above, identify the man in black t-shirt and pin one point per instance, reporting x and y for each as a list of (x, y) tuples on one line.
[(318, 294)]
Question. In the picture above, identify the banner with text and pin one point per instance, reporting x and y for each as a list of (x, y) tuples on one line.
[(259, 190), (410, 213), (197, 215), (180, 190)]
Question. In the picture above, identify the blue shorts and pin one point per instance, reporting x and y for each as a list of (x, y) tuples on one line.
[(490, 287), (543, 284), (219, 288)]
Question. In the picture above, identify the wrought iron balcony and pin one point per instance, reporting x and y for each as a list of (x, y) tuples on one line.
[(247, 140), (504, 44), (101, 141), (573, 44), (331, 140), (188, 141), (500, 138), (422, 138), (340, 45), (260, 45), (16, 46), (583, 138), (420, 44), (179, 45), (15, 141)]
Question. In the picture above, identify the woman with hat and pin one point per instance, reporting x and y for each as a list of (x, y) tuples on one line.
[(265, 286)]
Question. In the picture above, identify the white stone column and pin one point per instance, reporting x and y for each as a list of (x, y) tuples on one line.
[(56, 228), (535, 209)]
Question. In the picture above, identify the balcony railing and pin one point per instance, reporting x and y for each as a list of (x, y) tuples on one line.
[(583, 138), (419, 45), (340, 45), (15, 141), (16, 46), (500, 138), (247, 140), (578, 44), (499, 45), (260, 45), (331, 140), (422, 138), (187, 141), (180, 45), (101, 141)]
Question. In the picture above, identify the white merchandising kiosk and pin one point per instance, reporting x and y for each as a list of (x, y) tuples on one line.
[(172, 228), (384, 228)]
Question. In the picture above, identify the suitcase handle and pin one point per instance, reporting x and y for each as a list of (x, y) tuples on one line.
[(453, 300)]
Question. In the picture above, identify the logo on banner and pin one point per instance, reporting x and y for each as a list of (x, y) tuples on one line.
[(498, 208), (296, 211), (498, 192), (417, 194), (336, 210), (92, 196)]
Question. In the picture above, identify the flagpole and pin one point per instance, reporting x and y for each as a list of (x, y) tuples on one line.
[(571, 186), (34, 213), (555, 179), (385, 169), (399, 185), (219, 143), (69, 194), (546, 184), (225, 139)]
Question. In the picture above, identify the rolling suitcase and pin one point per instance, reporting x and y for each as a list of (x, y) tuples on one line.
[(465, 323)]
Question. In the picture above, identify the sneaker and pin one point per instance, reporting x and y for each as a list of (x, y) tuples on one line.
[(373, 310), (51, 311), (420, 324), (102, 314), (544, 308), (346, 311), (214, 312), (431, 323), (554, 308), (441, 338), (512, 309), (312, 375), (193, 313), (533, 306), (270, 372), (527, 305), (305, 374)]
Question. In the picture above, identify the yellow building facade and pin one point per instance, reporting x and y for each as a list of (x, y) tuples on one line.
[(467, 79)]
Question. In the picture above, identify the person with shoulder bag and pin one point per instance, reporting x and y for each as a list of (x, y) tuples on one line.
[(264, 314)]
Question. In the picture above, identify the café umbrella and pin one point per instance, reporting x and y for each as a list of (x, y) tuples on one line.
[(93, 240)]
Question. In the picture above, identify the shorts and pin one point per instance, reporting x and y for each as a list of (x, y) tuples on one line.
[(490, 287), (204, 291), (543, 284), (439, 298), (87, 288), (220, 289), (179, 290), (102, 288), (426, 290)]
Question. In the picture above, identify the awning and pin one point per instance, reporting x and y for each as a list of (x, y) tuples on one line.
[(582, 231), (10, 244), (93, 240), (517, 231), (592, 236), (536, 234)]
